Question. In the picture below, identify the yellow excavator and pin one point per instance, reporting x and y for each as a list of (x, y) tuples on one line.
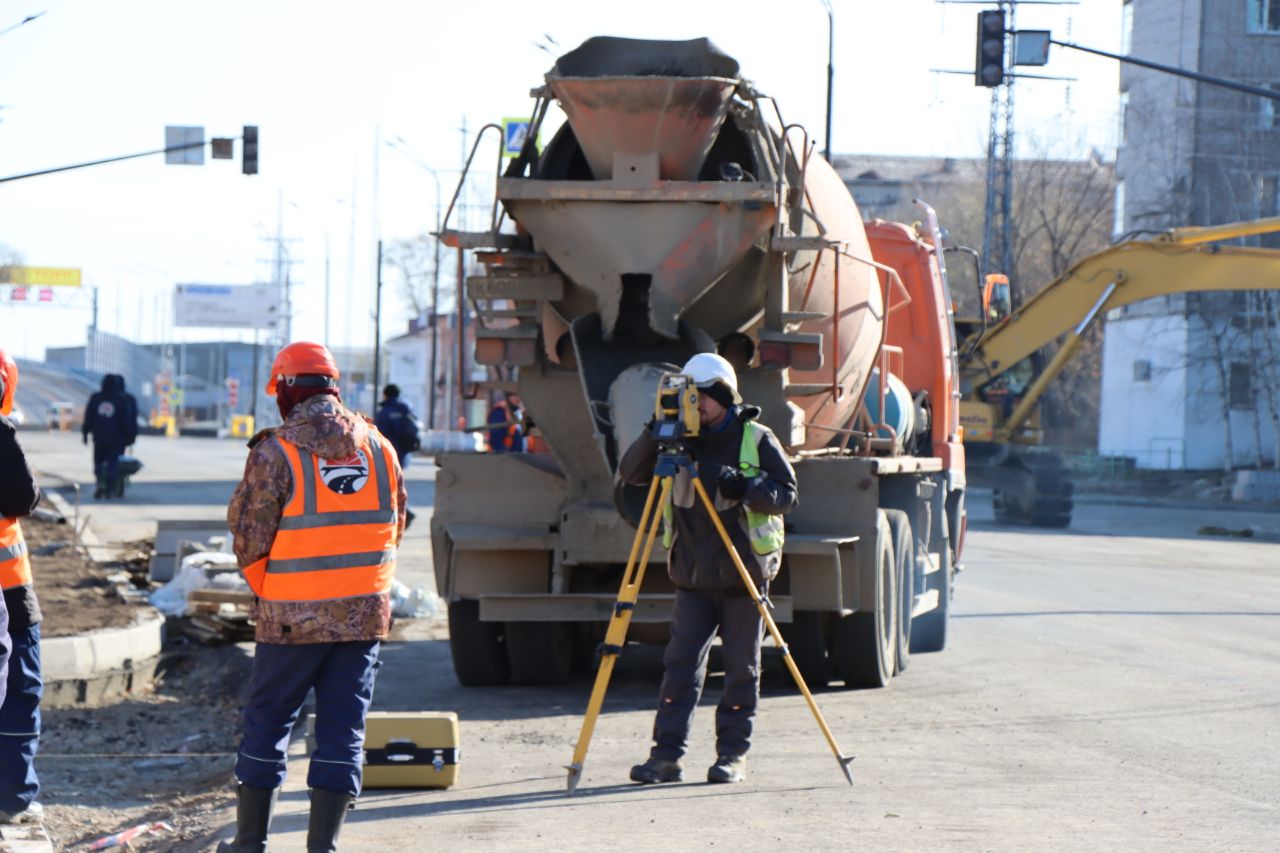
[(1004, 374)]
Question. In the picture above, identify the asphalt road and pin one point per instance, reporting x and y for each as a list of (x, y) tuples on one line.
[(1113, 686)]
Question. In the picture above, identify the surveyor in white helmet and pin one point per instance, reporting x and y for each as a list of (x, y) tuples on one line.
[(742, 465)]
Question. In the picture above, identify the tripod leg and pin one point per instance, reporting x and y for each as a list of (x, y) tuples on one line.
[(616, 635), (773, 630)]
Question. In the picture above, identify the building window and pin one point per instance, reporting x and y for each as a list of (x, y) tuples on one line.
[(1240, 395), (1118, 221), (1264, 16), (1268, 109), (1126, 27), (1268, 195), (1142, 370), (1123, 134)]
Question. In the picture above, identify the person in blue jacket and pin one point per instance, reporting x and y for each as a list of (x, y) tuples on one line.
[(111, 417), (396, 420)]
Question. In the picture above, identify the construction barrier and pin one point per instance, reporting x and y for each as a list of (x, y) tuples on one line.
[(166, 423), (242, 426)]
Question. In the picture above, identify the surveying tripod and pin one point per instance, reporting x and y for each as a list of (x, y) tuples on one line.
[(671, 459)]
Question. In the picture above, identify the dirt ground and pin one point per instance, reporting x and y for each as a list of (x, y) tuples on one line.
[(75, 595), (165, 754)]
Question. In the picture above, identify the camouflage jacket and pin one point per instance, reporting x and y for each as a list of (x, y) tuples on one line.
[(323, 426)]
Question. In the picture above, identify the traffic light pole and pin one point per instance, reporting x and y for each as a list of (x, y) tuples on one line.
[(57, 169), (250, 167), (1208, 79)]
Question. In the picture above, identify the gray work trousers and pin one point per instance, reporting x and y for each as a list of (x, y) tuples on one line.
[(696, 619)]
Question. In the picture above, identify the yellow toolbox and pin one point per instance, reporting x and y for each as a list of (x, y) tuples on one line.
[(407, 749), (411, 749)]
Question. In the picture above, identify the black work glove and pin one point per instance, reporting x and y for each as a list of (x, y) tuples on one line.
[(732, 484), (85, 436)]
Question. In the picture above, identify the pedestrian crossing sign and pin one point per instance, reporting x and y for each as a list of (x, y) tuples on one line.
[(515, 131)]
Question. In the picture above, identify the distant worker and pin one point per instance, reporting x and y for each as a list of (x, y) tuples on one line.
[(396, 421), (316, 522), (742, 465), (506, 433), (111, 417), (22, 686)]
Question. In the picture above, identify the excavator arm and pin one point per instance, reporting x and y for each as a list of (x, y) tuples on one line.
[(1184, 260)]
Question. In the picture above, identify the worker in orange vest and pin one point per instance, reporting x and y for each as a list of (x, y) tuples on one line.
[(316, 522), (21, 687)]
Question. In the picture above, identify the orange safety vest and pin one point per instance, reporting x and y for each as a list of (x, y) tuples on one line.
[(337, 534), (15, 565)]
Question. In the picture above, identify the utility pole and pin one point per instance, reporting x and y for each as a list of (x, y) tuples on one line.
[(997, 219), (435, 319), (377, 333), (253, 397), (328, 342)]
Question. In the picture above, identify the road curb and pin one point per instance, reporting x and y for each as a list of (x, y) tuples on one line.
[(1173, 503), (101, 664)]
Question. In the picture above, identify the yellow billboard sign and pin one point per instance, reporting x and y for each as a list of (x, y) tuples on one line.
[(44, 276)]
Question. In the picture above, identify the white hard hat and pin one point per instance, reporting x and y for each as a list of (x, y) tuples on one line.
[(707, 368)]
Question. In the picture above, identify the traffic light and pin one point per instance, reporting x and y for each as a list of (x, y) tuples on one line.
[(249, 151), (989, 67)]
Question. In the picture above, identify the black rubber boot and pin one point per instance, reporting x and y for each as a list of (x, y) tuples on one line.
[(328, 811), (100, 490), (118, 486), (253, 819)]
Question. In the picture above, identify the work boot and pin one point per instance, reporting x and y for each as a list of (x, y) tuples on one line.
[(657, 770), (118, 487), (100, 489), (728, 768), (253, 819), (328, 811)]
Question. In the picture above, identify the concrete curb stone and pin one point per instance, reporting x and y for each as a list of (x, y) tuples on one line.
[(101, 664)]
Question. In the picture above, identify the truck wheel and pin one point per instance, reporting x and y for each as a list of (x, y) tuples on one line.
[(929, 630), (805, 638), (479, 656), (904, 553), (864, 642), (539, 652)]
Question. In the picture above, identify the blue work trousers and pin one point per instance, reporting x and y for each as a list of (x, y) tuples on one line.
[(106, 460), (342, 676), (696, 619), (20, 723), (4, 649)]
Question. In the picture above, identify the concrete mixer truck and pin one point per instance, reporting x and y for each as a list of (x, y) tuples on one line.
[(675, 210)]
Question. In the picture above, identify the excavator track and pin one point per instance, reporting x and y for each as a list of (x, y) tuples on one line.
[(1036, 490)]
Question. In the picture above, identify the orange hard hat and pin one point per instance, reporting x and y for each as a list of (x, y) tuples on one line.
[(8, 382), (302, 358)]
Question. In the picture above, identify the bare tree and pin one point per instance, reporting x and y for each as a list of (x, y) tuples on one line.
[(9, 257), (411, 259), (1062, 213)]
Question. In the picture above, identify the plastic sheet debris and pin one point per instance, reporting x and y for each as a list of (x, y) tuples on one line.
[(122, 839), (415, 603), (202, 570)]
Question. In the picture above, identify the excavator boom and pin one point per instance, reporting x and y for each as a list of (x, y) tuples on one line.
[(1036, 488), (1139, 269)]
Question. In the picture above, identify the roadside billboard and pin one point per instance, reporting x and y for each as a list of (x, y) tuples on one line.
[(226, 306)]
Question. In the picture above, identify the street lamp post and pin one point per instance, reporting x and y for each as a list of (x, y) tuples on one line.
[(399, 144)]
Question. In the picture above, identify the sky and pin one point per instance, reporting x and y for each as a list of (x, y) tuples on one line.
[(334, 86)]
